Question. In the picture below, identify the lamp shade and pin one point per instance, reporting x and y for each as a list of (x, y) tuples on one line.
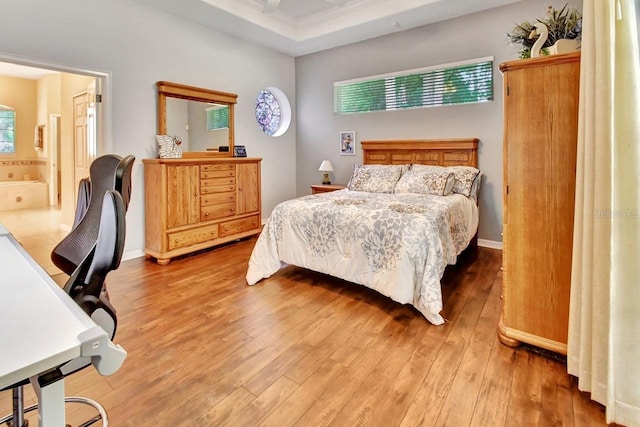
[(326, 166)]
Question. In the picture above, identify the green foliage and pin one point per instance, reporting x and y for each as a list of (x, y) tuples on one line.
[(361, 97), (565, 23), (408, 91)]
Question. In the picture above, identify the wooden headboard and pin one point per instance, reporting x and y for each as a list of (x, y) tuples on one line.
[(439, 152)]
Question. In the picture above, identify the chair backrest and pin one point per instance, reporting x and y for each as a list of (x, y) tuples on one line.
[(108, 172), (84, 194), (86, 283), (123, 179)]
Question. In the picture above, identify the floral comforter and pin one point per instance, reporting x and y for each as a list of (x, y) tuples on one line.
[(397, 244)]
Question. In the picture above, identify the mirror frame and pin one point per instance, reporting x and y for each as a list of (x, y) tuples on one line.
[(192, 93)]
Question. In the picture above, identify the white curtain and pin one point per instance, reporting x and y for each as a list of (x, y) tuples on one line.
[(604, 323)]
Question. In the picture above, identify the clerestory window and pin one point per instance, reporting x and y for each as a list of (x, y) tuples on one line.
[(447, 84)]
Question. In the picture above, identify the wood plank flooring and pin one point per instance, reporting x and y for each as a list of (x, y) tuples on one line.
[(305, 349)]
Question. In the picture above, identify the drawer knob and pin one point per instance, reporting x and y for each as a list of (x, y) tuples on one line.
[(232, 209), (226, 229), (206, 214), (177, 240)]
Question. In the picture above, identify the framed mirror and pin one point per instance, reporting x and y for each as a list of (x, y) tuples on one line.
[(202, 118)]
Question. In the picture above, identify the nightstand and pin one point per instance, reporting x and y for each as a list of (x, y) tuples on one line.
[(325, 188)]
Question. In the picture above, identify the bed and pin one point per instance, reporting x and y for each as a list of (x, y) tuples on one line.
[(397, 243)]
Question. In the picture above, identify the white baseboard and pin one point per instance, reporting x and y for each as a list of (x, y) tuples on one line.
[(490, 244), (132, 254)]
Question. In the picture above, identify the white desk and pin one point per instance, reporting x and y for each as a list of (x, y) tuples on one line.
[(41, 327)]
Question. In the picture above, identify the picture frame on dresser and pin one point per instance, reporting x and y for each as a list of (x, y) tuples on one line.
[(239, 151)]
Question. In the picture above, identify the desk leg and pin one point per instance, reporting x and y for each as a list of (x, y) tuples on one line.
[(50, 403)]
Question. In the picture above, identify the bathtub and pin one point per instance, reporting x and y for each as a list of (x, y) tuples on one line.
[(23, 195)]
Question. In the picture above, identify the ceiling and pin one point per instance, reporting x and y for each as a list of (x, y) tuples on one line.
[(22, 71), (299, 27)]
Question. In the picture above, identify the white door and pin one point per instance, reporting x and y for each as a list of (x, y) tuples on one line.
[(81, 150)]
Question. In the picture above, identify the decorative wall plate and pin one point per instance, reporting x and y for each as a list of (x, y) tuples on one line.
[(273, 111)]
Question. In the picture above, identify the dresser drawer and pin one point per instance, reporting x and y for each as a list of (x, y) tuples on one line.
[(217, 174), (217, 185), (217, 168), (217, 211), (222, 188), (181, 239), (217, 198), (239, 226)]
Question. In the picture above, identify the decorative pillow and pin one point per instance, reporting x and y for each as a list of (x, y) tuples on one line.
[(465, 176), (169, 147), (438, 182), (374, 178)]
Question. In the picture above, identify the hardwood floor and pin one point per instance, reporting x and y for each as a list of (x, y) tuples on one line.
[(305, 349)]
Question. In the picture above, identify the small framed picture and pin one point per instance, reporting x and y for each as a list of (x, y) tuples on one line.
[(239, 151), (348, 143)]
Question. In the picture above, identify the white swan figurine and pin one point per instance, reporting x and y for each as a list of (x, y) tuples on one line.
[(561, 46), (540, 30)]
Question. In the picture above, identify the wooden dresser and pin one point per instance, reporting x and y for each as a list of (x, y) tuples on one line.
[(195, 203), (539, 155)]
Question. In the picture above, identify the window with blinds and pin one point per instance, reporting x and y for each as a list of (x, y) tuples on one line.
[(7, 130), (218, 117), (448, 84)]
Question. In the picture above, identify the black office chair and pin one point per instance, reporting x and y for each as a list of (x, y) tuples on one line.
[(85, 286), (108, 172)]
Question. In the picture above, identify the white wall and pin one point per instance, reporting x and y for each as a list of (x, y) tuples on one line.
[(139, 45), (473, 36)]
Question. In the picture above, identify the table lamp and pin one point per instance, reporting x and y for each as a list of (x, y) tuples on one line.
[(326, 167)]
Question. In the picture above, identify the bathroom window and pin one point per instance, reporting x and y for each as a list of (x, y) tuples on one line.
[(7, 130)]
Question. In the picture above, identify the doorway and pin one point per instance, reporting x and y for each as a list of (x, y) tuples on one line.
[(56, 161), (53, 167)]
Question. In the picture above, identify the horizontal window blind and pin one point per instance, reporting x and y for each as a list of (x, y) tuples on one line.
[(217, 118), (7, 130), (447, 84)]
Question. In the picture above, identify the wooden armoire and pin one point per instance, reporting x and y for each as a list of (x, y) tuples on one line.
[(539, 167)]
